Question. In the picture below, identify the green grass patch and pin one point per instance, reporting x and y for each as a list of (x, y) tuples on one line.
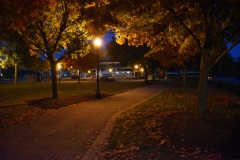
[(23, 100), (18, 94)]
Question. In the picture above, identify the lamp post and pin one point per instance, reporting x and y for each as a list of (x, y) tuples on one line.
[(59, 73), (71, 72), (136, 68), (97, 42), (110, 72)]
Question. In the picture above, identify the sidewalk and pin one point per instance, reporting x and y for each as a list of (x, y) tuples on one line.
[(70, 133)]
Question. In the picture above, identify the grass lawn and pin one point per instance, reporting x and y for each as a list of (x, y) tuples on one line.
[(18, 102), (164, 127)]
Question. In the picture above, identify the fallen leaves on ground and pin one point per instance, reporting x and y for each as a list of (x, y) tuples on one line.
[(37, 107), (165, 128), (210, 138)]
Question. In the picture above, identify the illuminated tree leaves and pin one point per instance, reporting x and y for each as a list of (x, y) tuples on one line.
[(191, 27)]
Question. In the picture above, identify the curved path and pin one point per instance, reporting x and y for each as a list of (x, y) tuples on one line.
[(70, 133)]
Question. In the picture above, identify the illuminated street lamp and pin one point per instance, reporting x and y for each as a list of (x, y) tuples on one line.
[(89, 73), (141, 71), (110, 71), (97, 42), (71, 71), (136, 68), (59, 72)]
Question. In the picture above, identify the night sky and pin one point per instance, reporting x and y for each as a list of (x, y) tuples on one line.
[(235, 52)]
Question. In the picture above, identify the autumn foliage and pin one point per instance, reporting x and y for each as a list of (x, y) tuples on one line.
[(190, 27), (17, 14)]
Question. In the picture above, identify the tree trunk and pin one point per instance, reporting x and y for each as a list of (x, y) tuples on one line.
[(53, 65), (153, 74), (79, 76), (15, 74), (184, 75), (146, 74), (202, 88)]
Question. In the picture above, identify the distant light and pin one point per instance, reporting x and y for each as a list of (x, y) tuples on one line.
[(97, 42), (59, 66)]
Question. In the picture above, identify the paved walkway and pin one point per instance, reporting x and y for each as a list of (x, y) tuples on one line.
[(70, 133)]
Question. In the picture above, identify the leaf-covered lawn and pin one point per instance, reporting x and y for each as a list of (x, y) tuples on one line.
[(23, 101), (165, 128)]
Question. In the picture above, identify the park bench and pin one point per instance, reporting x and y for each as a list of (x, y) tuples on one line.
[(221, 99)]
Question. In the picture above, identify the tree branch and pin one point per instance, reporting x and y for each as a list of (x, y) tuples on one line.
[(225, 52), (170, 8)]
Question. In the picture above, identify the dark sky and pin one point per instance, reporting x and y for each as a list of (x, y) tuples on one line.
[(107, 38), (235, 52)]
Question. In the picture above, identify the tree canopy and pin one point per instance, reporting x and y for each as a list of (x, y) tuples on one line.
[(52, 28), (14, 51), (16, 14), (195, 27)]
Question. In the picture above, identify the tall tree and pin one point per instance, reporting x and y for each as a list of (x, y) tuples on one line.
[(59, 25), (15, 15), (15, 51), (205, 26), (170, 56), (82, 60)]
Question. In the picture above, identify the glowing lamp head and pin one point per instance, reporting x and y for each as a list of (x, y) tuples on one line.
[(59, 66), (97, 42)]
